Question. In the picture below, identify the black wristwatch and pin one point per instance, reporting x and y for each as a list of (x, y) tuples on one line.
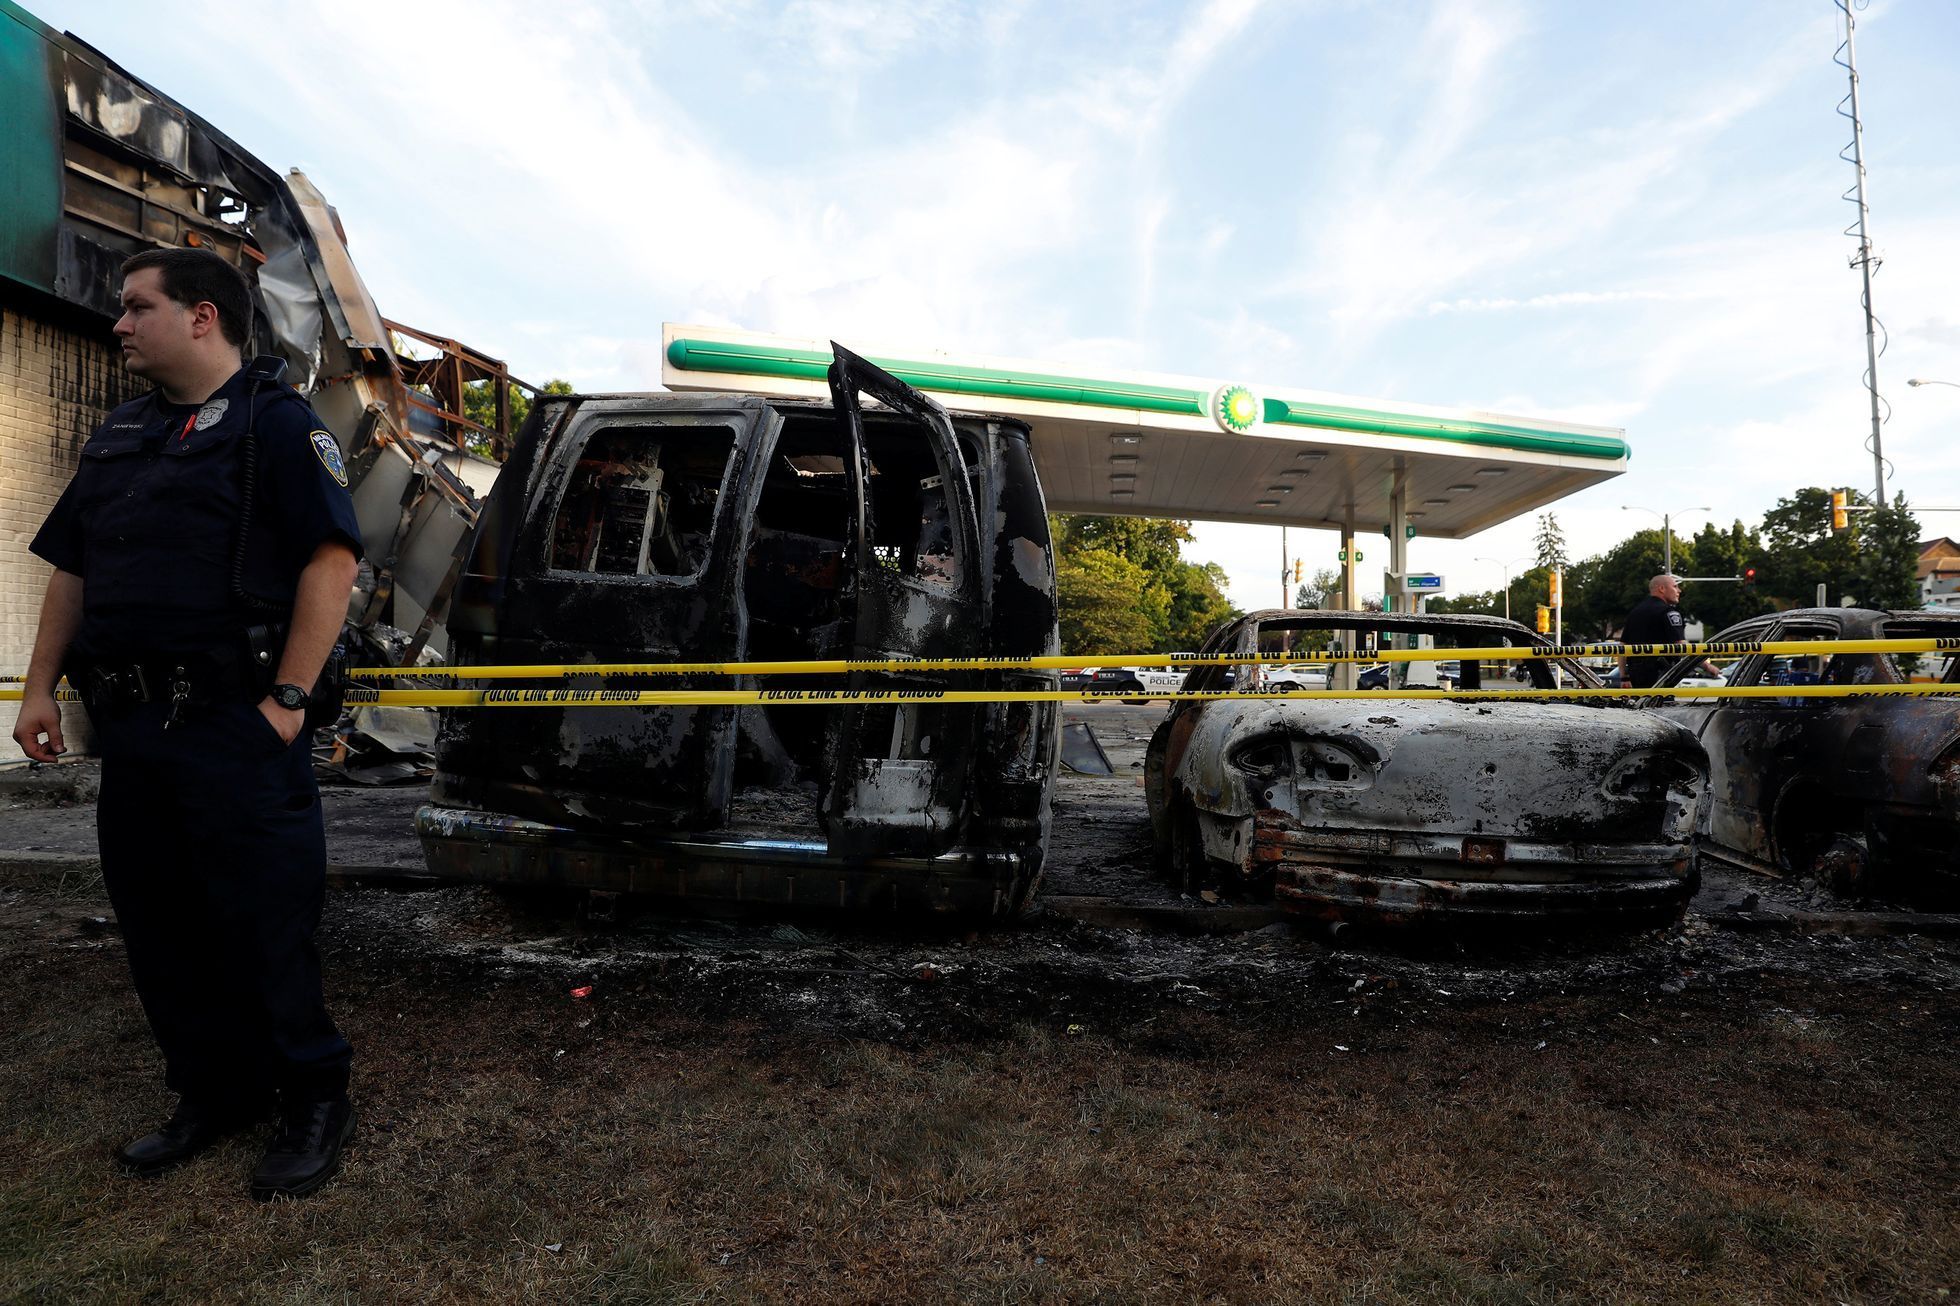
[(290, 697)]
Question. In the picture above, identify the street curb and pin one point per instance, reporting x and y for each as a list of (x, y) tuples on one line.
[(35, 868)]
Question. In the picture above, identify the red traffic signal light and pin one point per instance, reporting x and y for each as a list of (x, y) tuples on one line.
[(1748, 575)]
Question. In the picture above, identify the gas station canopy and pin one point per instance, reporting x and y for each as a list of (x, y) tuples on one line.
[(1149, 445)]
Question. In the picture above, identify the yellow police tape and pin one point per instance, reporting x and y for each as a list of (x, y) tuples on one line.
[(357, 696), (616, 697), (1069, 662), (843, 666), (772, 697)]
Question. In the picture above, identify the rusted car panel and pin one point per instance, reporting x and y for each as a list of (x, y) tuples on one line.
[(1409, 810), (1861, 793), (702, 528)]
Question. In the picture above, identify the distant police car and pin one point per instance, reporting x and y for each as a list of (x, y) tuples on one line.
[(1135, 683)]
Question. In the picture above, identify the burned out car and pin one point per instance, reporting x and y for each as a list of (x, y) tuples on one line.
[(1413, 811), (715, 528), (1859, 792)]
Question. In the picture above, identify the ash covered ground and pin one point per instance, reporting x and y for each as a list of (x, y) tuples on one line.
[(1058, 966), (675, 1109)]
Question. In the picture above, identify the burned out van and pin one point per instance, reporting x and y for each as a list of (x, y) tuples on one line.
[(721, 528)]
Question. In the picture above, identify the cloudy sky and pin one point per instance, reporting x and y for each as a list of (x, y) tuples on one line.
[(1626, 215)]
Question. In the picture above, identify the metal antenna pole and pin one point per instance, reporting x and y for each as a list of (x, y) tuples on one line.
[(1863, 260)]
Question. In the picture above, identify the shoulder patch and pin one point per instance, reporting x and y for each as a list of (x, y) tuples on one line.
[(329, 450)]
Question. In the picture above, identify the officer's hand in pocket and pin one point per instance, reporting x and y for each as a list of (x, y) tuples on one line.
[(286, 721)]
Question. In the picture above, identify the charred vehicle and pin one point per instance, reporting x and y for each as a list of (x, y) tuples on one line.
[(1405, 811), (1862, 793), (724, 528)]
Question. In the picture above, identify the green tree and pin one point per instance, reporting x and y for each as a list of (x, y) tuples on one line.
[(1198, 605), (1320, 590), (1611, 583), (1549, 543), (1800, 551), (1155, 544), (1135, 564), (1487, 603), (1719, 551), (1888, 562), (480, 405), (1107, 604)]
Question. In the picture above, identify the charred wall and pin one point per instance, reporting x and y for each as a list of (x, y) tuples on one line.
[(58, 378)]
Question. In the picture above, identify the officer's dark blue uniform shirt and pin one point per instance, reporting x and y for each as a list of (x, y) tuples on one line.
[(150, 521), (1653, 621)]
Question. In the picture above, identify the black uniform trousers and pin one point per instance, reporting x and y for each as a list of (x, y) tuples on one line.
[(214, 854)]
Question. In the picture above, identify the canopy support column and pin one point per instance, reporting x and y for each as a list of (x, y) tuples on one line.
[(1341, 674)]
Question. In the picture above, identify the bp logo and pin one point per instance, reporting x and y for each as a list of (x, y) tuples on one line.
[(1235, 408), (329, 450)]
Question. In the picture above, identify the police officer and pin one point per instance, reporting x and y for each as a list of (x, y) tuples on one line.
[(1654, 620), (203, 556)]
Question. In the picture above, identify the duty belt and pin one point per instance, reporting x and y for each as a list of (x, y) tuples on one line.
[(110, 684)]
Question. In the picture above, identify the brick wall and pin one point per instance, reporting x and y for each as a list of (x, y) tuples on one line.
[(56, 385)]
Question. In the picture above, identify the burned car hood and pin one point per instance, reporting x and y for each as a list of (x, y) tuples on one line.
[(1529, 770)]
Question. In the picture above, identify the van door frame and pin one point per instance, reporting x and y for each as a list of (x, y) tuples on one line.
[(878, 804)]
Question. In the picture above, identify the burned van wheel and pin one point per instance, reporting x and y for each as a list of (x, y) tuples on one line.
[(1825, 844)]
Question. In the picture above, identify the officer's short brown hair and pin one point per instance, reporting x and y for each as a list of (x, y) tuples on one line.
[(198, 276)]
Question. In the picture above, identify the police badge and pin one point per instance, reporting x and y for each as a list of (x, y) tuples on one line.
[(329, 450), (207, 416)]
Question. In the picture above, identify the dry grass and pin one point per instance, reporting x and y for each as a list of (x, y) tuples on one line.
[(1703, 1154)]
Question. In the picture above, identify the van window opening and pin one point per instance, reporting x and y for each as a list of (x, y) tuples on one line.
[(641, 501)]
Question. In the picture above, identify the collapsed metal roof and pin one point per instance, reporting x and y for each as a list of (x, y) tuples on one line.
[(97, 165)]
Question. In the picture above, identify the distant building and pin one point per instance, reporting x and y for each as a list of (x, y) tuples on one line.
[(1939, 570)]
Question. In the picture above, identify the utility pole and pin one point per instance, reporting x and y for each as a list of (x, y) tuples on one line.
[(1285, 596), (1667, 530), (1506, 566), (1863, 260)]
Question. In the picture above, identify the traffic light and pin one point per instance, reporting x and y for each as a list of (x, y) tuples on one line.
[(1840, 519), (1748, 575), (1297, 564), (1544, 620), (1558, 589)]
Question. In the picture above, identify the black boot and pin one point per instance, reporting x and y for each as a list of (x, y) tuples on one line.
[(305, 1149), (192, 1128)]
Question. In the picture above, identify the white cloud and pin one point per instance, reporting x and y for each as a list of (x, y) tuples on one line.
[(850, 37), (1472, 206), (1557, 299)]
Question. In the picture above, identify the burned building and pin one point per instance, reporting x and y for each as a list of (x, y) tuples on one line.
[(97, 166)]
